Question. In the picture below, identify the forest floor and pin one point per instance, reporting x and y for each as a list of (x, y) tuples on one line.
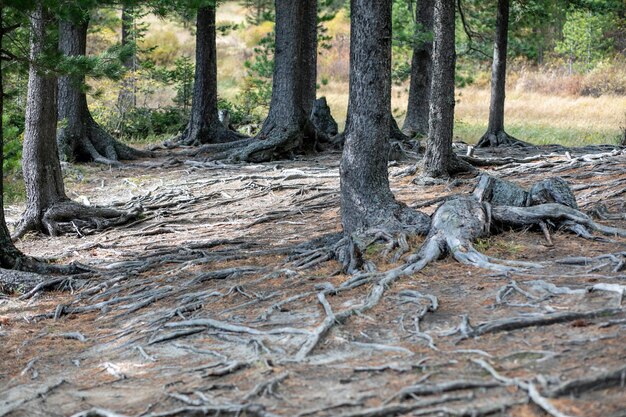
[(198, 311)]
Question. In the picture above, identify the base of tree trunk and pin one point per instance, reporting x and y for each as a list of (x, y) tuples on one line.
[(454, 167), (24, 273), (98, 146), (495, 205), (501, 138), (68, 217), (197, 136), (273, 142)]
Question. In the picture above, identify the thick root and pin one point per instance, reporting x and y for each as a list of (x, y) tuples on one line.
[(98, 146), (557, 213), (455, 225), (501, 138), (68, 217)]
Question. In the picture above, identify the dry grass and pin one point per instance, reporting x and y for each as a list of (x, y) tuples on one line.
[(542, 107)]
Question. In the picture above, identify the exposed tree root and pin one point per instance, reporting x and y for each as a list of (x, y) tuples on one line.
[(500, 138), (217, 134), (455, 225), (97, 145), (608, 379), (68, 217)]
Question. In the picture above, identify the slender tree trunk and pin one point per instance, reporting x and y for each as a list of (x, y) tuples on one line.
[(8, 252), (366, 199), (416, 122), (498, 69), (440, 160), (80, 138), (496, 135), (128, 98), (204, 125)]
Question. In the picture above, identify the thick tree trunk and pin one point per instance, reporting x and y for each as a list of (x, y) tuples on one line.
[(287, 128), (439, 159), (80, 138), (309, 56), (48, 209), (495, 135), (40, 163), (366, 199), (8, 252), (416, 122), (204, 125)]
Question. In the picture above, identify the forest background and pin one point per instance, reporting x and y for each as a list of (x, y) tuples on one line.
[(566, 80)]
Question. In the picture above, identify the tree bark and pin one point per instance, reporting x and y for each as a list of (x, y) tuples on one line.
[(48, 209), (496, 135), (40, 163), (416, 121), (80, 138), (366, 199), (287, 128), (439, 159), (8, 252), (127, 98), (204, 125), (309, 56)]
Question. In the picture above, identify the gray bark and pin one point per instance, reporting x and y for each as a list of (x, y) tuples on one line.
[(416, 122), (204, 125), (48, 209), (40, 162), (8, 252), (498, 69), (80, 138), (287, 128), (127, 98), (496, 135), (366, 199), (309, 56), (439, 159)]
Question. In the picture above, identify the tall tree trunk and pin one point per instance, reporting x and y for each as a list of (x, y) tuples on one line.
[(8, 252), (287, 128), (204, 125), (40, 162), (439, 159), (366, 199), (495, 135), (416, 121), (80, 138), (309, 56), (48, 209), (127, 99)]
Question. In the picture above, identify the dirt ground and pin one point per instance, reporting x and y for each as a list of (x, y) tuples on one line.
[(198, 309)]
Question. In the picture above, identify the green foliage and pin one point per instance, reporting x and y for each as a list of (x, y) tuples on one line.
[(238, 116), (584, 43), (256, 91), (181, 77), (259, 11), (12, 134), (142, 122)]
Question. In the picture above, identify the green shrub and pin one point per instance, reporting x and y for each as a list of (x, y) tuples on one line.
[(142, 122)]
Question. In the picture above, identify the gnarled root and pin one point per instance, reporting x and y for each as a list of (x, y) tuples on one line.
[(455, 225), (98, 146), (557, 213), (501, 138), (217, 134), (68, 217)]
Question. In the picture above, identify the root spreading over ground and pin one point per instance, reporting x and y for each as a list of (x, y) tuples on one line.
[(228, 296)]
